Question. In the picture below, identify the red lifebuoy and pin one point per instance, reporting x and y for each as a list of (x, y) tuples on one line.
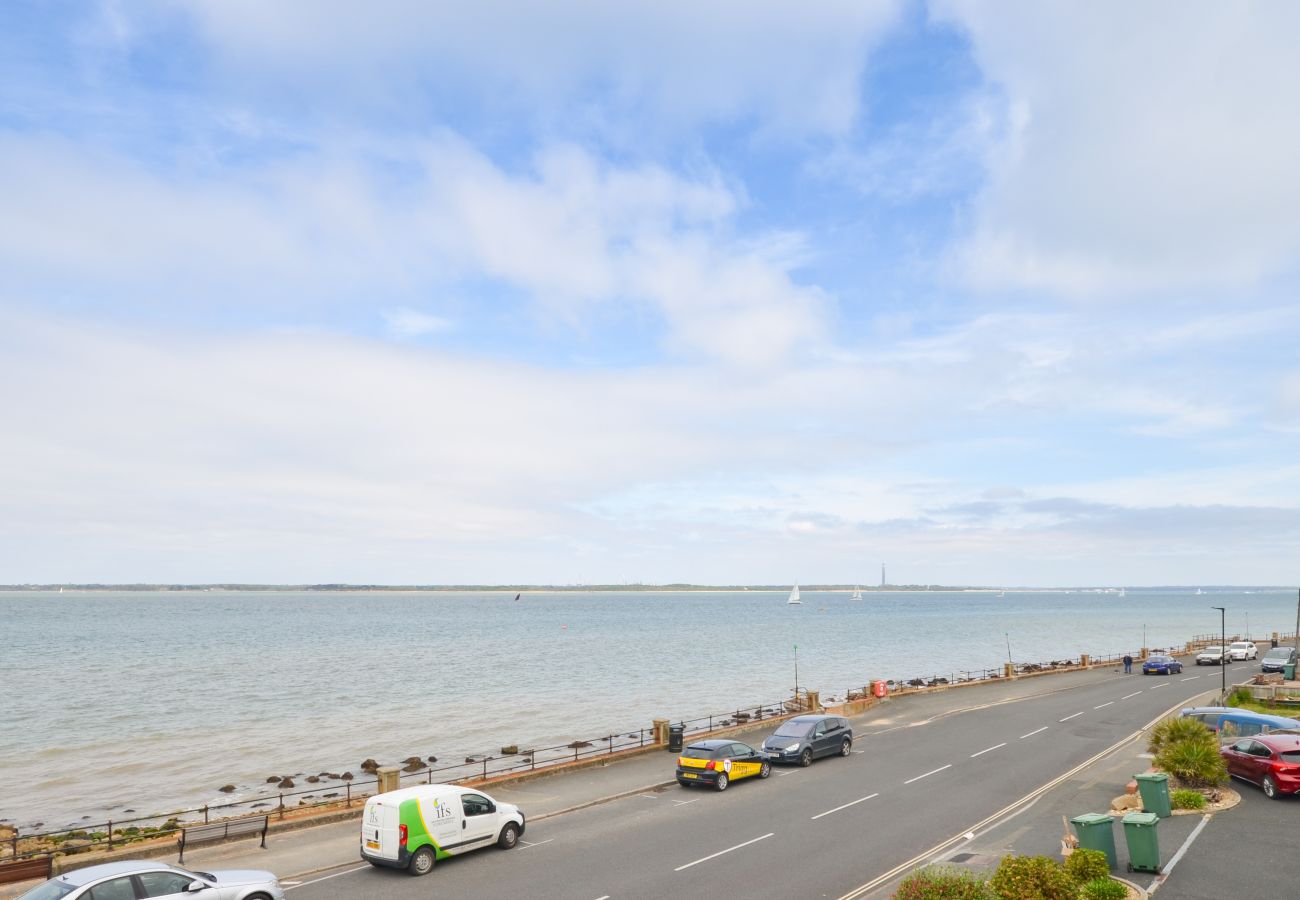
[(879, 688)]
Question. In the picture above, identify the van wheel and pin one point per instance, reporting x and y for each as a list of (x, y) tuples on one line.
[(422, 862), (509, 836), (1269, 786), (723, 781), (846, 747), (805, 758)]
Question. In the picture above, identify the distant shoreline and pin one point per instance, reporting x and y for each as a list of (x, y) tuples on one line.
[(585, 588)]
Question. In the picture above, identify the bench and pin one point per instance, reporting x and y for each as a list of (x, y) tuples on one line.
[(220, 831), (25, 869)]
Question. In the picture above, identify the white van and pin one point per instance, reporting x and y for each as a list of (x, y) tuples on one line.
[(413, 827)]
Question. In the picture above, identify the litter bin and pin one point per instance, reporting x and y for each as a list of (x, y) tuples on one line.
[(675, 733), (1154, 788), (1143, 847), (1095, 833), (1288, 671)]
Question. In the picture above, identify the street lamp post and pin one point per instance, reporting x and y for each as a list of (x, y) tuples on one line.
[(1223, 663)]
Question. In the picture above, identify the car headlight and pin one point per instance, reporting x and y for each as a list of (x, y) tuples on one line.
[(792, 748)]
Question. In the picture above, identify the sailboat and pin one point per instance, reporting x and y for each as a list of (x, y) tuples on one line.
[(794, 597), (857, 593), (1123, 592)]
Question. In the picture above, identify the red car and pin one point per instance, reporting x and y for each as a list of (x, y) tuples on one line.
[(1271, 761)]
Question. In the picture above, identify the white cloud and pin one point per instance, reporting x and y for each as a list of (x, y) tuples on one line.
[(569, 232), (411, 323), (1152, 146), (674, 63)]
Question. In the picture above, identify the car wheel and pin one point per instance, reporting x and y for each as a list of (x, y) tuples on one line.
[(805, 758), (846, 746), (422, 862), (1269, 786), (509, 836), (764, 770), (723, 781)]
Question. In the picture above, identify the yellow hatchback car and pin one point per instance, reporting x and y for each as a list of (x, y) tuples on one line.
[(720, 762)]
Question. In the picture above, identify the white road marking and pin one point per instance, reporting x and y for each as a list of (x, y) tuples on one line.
[(1169, 866), (859, 751), (536, 843), (987, 749), (721, 852), (1134, 694), (783, 774), (648, 796), (327, 877), (1190, 679), (684, 802), (1107, 703), (606, 897), (846, 805), (1032, 733), (1069, 717), (1159, 686), (928, 774)]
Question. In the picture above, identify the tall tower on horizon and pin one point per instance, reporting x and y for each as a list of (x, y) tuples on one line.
[(882, 574)]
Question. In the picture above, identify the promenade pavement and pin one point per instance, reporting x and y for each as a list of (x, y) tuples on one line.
[(313, 851)]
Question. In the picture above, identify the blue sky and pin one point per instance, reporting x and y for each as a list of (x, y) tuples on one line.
[(994, 293)]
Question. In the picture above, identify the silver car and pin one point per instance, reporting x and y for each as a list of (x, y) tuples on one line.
[(131, 879)]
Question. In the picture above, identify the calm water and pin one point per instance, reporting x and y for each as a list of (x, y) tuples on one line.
[(153, 701)]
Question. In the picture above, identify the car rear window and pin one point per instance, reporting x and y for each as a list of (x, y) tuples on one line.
[(698, 753), (1291, 756)]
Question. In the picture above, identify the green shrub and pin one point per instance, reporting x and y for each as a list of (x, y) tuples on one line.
[(1187, 800), (1241, 697), (933, 883), (1175, 730), (1195, 762), (1032, 878), (1085, 865), (1103, 889)]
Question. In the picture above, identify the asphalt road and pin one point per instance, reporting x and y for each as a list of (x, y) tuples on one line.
[(1248, 851), (831, 830)]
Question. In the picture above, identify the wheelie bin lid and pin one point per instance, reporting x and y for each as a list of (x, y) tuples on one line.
[(1141, 818), (1091, 819), (1152, 776)]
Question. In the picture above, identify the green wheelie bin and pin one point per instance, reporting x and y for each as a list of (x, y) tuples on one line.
[(1154, 790), (1095, 833), (1143, 846)]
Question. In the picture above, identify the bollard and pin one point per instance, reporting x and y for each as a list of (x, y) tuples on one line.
[(660, 729), (1008, 670), (389, 779), (1085, 661), (1145, 653), (814, 700)]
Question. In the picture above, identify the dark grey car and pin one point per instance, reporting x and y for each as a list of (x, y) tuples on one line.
[(1277, 659), (805, 738)]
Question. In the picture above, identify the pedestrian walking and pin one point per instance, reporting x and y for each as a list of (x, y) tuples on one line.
[(1128, 664)]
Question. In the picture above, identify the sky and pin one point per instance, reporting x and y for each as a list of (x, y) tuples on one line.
[(993, 293)]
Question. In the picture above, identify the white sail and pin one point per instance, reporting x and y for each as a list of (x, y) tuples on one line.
[(857, 593), (794, 597)]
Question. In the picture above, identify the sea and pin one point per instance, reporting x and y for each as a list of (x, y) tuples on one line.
[(151, 701)]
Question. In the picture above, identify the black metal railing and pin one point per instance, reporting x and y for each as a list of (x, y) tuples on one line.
[(486, 766)]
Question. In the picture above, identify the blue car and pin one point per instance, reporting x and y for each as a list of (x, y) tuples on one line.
[(1161, 665)]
